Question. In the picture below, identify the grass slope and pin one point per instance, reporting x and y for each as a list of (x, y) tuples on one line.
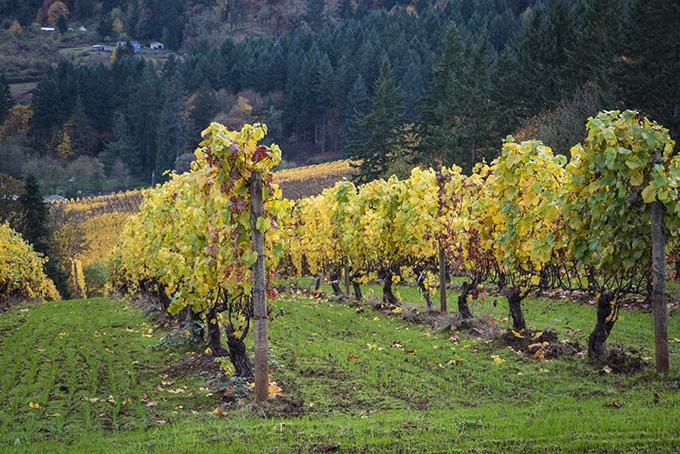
[(88, 376)]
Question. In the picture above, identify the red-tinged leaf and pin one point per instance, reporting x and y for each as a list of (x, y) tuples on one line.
[(260, 153), (351, 356), (411, 352), (329, 448)]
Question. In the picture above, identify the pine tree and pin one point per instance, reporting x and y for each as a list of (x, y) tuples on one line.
[(457, 115), (172, 134), (646, 73), (378, 136), (6, 99), (35, 230)]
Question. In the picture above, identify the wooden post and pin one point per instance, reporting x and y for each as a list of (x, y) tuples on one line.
[(659, 287), (442, 279), (346, 280), (259, 294)]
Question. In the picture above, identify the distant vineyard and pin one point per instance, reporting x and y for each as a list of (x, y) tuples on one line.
[(311, 180), (119, 202)]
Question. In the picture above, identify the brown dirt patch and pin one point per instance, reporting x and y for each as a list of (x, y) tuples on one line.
[(538, 344), (194, 365), (619, 361)]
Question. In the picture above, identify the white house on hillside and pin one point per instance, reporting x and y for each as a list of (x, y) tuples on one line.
[(155, 45)]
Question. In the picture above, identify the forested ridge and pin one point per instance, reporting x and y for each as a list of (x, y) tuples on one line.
[(448, 81)]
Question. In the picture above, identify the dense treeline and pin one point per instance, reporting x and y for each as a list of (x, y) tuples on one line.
[(463, 76)]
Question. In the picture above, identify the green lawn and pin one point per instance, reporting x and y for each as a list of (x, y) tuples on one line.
[(94, 376)]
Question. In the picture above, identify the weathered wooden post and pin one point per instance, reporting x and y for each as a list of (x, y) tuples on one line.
[(259, 294)]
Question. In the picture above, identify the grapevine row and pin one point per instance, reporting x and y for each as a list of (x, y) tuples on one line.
[(531, 220)]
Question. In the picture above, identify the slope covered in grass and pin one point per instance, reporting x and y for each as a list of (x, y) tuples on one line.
[(94, 376)]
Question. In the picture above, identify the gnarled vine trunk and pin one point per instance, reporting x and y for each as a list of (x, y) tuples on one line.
[(607, 312), (238, 354), (388, 296), (237, 349), (515, 302), (335, 281), (463, 307)]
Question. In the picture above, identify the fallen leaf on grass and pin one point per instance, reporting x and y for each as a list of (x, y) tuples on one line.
[(151, 404), (351, 356), (103, 414), (160, 421), (33, 405), (410, 352), (175, 391), (615, 404), (275, 390), (329, 448), (90, 399), (498, 360), (607, 370), (111, 400), (397, 344)]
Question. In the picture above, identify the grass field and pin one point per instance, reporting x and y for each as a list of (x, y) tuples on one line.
[(99, 376)]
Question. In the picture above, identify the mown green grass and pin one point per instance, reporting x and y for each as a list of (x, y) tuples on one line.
[(345, 381)]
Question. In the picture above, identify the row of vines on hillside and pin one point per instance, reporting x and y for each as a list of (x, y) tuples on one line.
[(531, 220)]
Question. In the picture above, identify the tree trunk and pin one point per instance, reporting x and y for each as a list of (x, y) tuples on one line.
[(259, 297), (607, 312), (388, 297), (515, 303), (422, 276), (463, 307), (239, 355), (659, 285)]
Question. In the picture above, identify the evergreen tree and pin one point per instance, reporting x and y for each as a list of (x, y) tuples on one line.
[(439, 107), (105, 27), (412, 86), (203, 107), (35, 230), (378, 136), (171, 127), (598, 33), (6, 99), (646, 74), (457, 115), (122, 147), (533, 77)]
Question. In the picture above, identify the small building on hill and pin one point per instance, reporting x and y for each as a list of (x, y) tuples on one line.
[(155, 45)]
